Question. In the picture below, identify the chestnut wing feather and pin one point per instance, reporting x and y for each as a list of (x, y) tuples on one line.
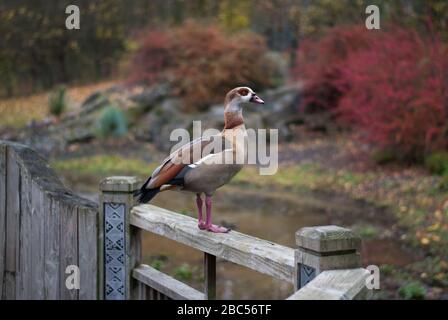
[(177, 160)]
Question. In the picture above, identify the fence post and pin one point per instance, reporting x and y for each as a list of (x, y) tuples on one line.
[(324, 248), (119, 242)]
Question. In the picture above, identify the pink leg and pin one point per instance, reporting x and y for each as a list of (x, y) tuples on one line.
[(208, 222), (201, 224)]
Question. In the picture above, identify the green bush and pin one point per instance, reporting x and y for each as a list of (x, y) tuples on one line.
[(157, 264), (184, 272), (57, 101), (437, 163), (112, 123), (443, 184), (412, 290)]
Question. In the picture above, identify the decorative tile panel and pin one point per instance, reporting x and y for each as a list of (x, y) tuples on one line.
[(114, 251), (306, 274)]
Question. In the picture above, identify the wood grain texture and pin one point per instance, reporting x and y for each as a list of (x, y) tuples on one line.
[(209, 276), (12, 211), (37, 242), (52, 243), (24, 277), (68, 248), (3, 164), (254, 253), (12, 232), (87, 237), (135, 257), (349, 284), (162, 284), (327, 239)]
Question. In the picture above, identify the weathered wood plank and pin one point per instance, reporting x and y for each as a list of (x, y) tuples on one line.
[(165, 285), (37, 242), (12, 211), (141, 291), (209, 276), (87, 237), (346, 284), (2, 215), (68, 248), (149, 293), (25, 253), (13, 207), (135, 257), (257, 254), (52, 243)]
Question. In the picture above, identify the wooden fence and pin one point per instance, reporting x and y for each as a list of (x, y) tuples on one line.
[(44, 228)]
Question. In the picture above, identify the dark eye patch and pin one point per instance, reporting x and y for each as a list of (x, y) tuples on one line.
[(243, 91)]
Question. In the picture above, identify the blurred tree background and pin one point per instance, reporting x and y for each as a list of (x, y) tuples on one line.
[(37, 51)]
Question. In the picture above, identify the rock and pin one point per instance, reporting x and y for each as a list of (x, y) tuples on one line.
[(162, 120), (149, 97), (94, 102), (153, 114), (280, 110)]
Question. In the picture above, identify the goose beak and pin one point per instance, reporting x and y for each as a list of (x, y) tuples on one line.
[(256, 99)]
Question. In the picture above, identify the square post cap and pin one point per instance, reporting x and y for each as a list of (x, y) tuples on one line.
[(325, 239), (120, 184)]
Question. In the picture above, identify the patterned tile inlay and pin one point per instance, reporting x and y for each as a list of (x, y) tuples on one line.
[(306, 274), (114, 251)]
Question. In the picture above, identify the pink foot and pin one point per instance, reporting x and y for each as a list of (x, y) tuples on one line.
[(217, 229), (202, 226)]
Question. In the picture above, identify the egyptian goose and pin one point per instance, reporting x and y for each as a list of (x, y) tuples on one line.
[(180, 171)]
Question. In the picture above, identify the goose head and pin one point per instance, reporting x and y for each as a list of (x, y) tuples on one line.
[(240, 95), (233, 112)]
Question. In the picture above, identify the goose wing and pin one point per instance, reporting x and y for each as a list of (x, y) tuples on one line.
[(185, 155)]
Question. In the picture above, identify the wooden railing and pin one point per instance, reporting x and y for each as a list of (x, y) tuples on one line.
[(326, 264)]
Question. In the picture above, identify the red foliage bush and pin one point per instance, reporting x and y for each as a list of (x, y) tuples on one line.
[(320, 63), (202, 63), (399, 93), (392, 85), (152, 58)]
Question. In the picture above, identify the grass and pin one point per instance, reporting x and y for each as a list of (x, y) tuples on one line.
[(19, 111), (303, 177), (103, 165), (413, 291)]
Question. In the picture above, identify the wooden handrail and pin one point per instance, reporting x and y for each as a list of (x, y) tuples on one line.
[(325, 264), (165, 284), (348, 284), (254, 253)]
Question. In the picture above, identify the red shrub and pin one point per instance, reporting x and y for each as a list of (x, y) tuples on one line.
[(320, 63), (392, 85), (152, 58), (202, 63), (399, 93)]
